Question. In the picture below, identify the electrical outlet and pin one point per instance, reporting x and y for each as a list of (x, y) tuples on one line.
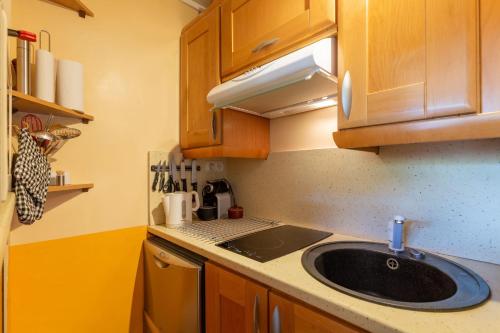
[(219, 166), (214, 166)]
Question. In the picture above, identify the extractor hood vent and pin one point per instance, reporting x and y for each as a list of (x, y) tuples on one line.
[(301, 81), (199, 5)]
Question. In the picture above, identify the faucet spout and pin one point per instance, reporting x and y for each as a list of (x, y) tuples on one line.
[(396, 234)]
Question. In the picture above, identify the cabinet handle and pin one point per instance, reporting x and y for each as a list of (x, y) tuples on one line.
[(160, 263), (214, 125), (265, 44), (276, 321), (256, 319), (347, 95)]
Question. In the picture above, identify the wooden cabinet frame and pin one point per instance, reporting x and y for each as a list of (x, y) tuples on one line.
[(230, 307), (240, 53), (471, 88), (218, 133)]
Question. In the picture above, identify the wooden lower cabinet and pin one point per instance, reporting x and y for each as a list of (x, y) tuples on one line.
[(233, 303), (236, 304), (288, 316)]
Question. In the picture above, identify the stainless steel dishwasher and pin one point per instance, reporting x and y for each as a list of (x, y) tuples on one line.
[(174, 288)]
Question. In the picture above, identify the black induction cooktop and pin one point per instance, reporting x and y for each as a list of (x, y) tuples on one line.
[(273, 243)]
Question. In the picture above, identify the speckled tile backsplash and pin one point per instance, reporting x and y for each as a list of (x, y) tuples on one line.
[(450, 192)]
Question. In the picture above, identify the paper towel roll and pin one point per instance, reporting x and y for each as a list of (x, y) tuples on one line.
[(70, 84), (45, 76)]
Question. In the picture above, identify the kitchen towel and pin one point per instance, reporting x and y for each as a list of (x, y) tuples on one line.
[(70, 84), (45, 77), (31, 179)]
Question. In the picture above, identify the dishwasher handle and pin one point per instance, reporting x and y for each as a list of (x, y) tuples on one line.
[(160, 263), (164, 258)]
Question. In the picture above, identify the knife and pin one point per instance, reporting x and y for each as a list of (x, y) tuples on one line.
[(162, 176), (175, 175), (169, 185), (157, 175), (194, 177), (183, 176)]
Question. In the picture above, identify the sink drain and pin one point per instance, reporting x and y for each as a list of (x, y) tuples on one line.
[(392, 264)]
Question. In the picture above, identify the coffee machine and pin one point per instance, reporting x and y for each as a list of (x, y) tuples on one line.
[(217, 197)]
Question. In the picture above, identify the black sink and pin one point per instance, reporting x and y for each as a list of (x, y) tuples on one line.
[(410, 279)]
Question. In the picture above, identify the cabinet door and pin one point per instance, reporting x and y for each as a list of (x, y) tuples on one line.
[(406, 60), (200, 67), (286, 316), (490, 55), (255, 29), (233, 303)]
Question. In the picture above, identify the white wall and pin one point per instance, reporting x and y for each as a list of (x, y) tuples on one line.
[(304, 131)]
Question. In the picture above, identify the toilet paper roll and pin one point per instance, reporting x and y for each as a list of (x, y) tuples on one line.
[(70, 84), (45, 76)]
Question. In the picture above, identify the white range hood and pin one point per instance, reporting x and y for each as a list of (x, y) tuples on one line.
[(301, 81), (199, 5)]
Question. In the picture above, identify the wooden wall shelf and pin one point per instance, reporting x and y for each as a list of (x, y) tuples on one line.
[(71, 187), (26, 103), (75, 5)]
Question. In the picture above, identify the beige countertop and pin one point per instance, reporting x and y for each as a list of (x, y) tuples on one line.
[(287, 275), (6, 213)]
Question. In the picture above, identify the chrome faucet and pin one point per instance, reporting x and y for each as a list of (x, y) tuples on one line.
[(396, 234)]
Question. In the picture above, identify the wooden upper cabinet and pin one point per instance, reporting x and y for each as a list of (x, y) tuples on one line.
[(200, 72), (406, 60), (490, 55), (233, 303), (285, 315), (256, 29)]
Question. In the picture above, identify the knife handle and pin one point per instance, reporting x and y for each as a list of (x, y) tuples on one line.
[(162, 183), (155, 181)]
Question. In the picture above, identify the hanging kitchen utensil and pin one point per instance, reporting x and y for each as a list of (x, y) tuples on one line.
[(44, 137), (32, 123), (36, 129), (54, 146), (170, 186), (163, 169), (64, 132), (183, 176), (61, 135), (173, 167), (157, 176), (194, 176)]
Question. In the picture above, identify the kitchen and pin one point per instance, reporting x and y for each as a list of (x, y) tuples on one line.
[(432, 154)]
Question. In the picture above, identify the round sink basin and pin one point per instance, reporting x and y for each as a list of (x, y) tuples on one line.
[(410, 279)]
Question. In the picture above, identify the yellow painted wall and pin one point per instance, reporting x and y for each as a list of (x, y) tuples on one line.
[(77, 284), (76, 270)]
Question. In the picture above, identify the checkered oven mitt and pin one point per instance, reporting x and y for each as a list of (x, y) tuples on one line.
[(31, 179)]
